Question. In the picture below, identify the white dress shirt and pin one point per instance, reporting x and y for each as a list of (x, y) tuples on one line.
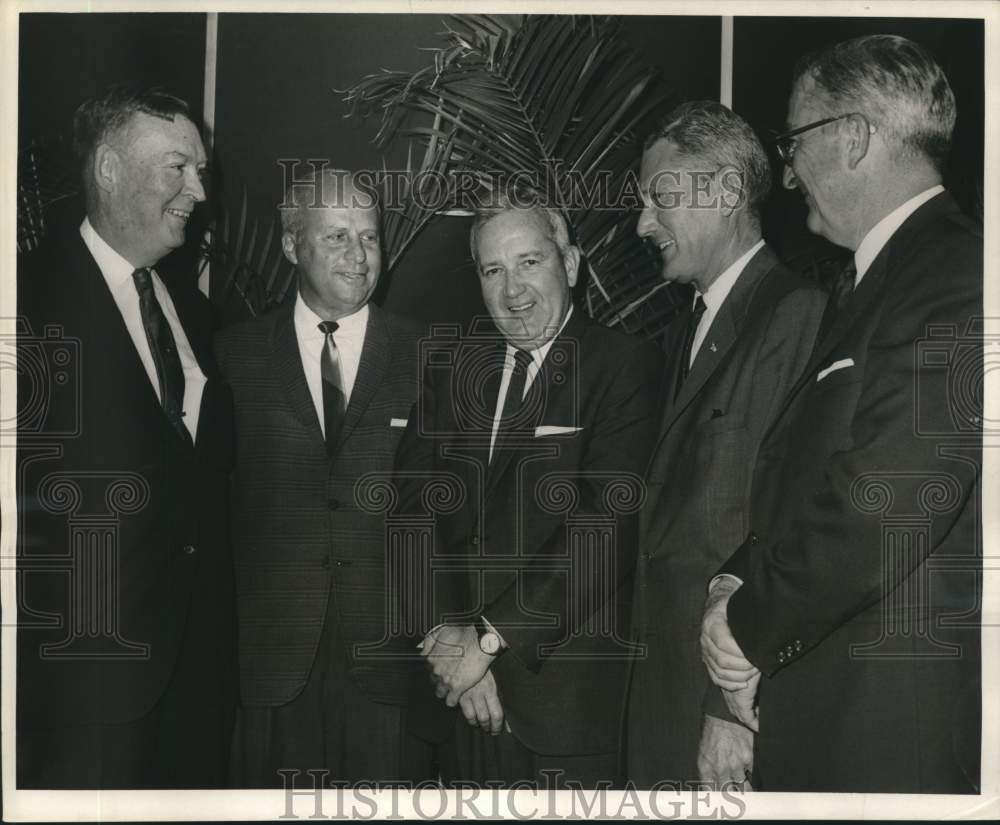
[(537, 357), (349, 338), (716, 294), (878, 236), (117, 274)]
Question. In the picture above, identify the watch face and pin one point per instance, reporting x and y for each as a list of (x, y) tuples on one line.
[(489, 643)]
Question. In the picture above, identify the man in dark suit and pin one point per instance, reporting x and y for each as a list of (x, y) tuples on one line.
[(734, 355), (543, 421), (857, 588), (126, 621), (322, 389)]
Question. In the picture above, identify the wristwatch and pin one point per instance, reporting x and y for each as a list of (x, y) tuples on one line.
[(489, 639)]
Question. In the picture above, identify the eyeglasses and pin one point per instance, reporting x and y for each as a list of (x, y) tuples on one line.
[(786, 142)]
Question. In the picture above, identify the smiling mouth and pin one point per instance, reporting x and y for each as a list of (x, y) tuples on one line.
[(178, 213), (665, 244), (352, 276), (520, 307)]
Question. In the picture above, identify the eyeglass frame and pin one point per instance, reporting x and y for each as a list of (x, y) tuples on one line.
[(786, 149)]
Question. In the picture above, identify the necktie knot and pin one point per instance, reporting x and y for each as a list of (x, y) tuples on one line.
[(843, 287), (699, 308), (143, 280), (328, 327), (521, 360)]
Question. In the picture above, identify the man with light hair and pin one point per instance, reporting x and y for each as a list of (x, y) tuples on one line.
[(545, 418), (734, 353), (322, 389), (856, 589)]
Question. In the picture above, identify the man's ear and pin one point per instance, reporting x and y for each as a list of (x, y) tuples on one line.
[(858, 138), (107, 167), (730, 190), (571, 263), (288, 247)]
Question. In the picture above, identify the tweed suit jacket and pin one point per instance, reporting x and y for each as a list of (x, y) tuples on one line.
[(861, 566), (298, 526), (698, 497)]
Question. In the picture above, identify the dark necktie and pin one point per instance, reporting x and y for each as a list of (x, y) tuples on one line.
[(334, 397), (510, 418), (169, 373), (692, 327), (840, 294)]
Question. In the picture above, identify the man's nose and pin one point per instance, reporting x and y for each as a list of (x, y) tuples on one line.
[(512, 286), (646, 220), (194, 188), (788, 179), (356, 250)]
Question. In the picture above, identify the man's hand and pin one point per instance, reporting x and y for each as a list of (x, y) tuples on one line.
[(455, 659), (725, 754), (741, 704), (481, 706), (727, 666)]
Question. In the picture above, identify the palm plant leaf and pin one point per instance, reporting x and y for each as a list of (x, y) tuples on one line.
[(553, 99)]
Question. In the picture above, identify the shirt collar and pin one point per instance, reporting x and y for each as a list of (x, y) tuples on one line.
[(307, 322), (538, 355), (878, 236), (719, 289), (115, 268)]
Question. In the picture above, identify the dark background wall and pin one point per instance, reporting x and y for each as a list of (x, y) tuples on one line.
[(278, 77)]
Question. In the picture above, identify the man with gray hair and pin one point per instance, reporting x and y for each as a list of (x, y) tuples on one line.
[(856, 587), (322, 388), (545, 418), (734, 354)]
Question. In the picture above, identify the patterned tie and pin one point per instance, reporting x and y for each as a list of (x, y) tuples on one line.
[(169, 373), (840, 294), (692, 328), (512, 404), (334, 397)]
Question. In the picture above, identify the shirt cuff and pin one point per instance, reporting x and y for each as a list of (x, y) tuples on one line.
[(723, 576)]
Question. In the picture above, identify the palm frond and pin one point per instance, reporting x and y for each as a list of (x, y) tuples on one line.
[(548, 98)]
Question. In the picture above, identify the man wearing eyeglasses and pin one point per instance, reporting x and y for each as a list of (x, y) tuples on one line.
[(856, 590)]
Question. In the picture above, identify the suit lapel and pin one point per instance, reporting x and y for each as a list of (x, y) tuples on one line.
[(375, 354), (287, 365), (721, 335)]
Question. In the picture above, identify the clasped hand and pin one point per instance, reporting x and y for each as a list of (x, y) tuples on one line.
[(460, 672), (727, 666)]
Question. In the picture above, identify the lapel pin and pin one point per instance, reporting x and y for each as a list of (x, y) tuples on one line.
[(713, 347)]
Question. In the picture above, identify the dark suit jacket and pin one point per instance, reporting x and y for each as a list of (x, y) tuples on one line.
[(861, 569), (698, 499), (297, 523), (528, 529), (123, 538)]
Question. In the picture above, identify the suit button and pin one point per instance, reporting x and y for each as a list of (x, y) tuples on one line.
[(325, 564), (798, 646), (754, 539), (474, 539), (333, 503), (789, 651), (781, 656), (188, 549)]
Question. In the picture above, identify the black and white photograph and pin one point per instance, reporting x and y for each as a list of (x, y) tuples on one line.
[(464, 410)]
